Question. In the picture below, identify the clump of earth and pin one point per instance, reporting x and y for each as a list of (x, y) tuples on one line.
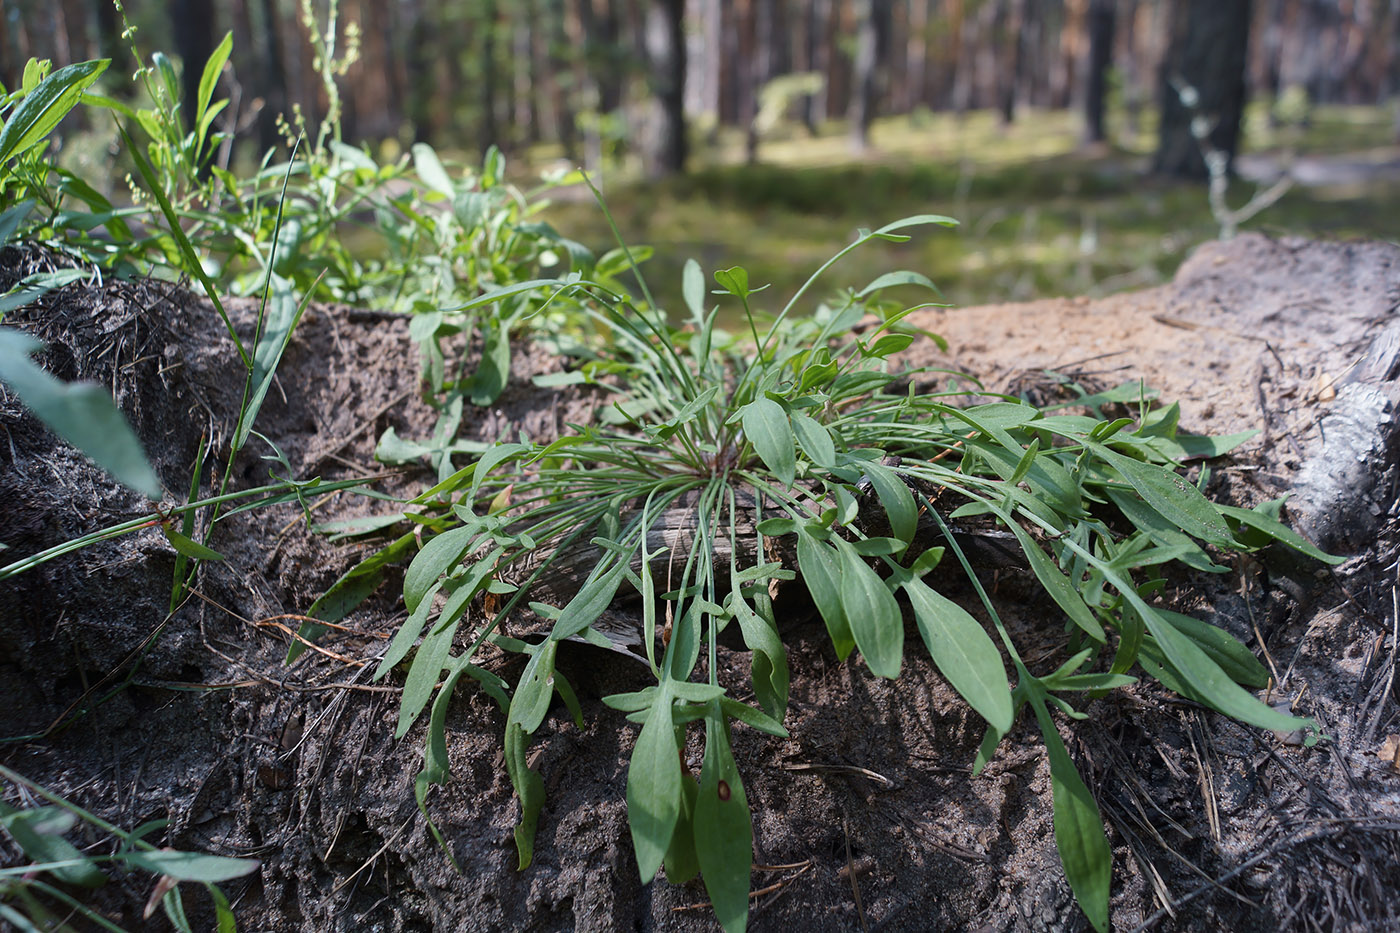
[(867, 816)]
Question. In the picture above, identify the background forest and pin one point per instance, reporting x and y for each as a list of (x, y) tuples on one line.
[(1032, 121)]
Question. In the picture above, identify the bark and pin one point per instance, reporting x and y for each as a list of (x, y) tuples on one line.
[(1208, 52), (420, 65), (275, 69), (1101, 28), (490, 131), (109, 29), (193, 21), (561, 102), (1013, 43), (765, 33), (525, 114), (665, 152), (819, 56), (872, 47)]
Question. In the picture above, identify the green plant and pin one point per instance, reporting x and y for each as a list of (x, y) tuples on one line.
[(803, 433), (40, 833)]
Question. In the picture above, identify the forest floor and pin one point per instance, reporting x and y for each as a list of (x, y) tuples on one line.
[(1041, 215), (867, 816)]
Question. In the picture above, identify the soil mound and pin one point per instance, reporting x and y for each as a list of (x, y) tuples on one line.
[(867, 815)]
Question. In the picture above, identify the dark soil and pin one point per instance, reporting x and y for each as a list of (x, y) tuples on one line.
[(868, 815)]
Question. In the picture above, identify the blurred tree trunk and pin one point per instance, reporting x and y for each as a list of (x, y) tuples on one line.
[(1101, 31), (1011, 15), (1209, 40), (525, 112), (665, 152), (109, 29), (486, 25), (761, 65), (819, 60), (559, 64), (275, 71), (872, 47), (193, 22), (420, 61), (916, 56)]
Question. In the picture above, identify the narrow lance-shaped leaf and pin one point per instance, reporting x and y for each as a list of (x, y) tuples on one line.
[(821, 574), (723, 830), (897, 500), (45, 107), (964, 653), (654, 787), (873, 614), (1079, 835), (1171, 495)]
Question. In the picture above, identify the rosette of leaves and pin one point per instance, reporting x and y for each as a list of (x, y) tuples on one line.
[(725, 463)]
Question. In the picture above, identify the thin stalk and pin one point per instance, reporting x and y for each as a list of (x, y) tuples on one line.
[(155, 518)]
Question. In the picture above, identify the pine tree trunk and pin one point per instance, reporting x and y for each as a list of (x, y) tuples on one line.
[(872, 44), (193, 21), (1207, 54), (1101, 28), (665, 149)]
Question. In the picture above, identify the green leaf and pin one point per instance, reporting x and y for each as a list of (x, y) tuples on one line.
[(192, 866), (734, 280), (891, 279), (888, 344), (430, 170), (422, 678), (81, 413), (589, 602), (282, 313), (10, 219), (692, 288), (45, 107), (1162, 531), (1224, 649), (815, 439), (1171, 495), (654, 800), (1280, 532), (1079, 835), (964, 653), (1202, 674), (766, 427), (438, 556), (529, 786), (188, 546), (897, 500), (1061, 590), (769, 662), (532, 695), (821, 574), (916, 220), (212, 69), (723, 831), (39, 832), (493, 372), (489, 461), (873, 612), (681, 863), (33, 287)]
